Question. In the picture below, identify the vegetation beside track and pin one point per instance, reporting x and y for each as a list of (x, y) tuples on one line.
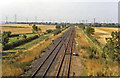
[(95, 59), (18, 59)]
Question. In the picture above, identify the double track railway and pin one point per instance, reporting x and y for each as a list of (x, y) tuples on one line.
[(65, 45)]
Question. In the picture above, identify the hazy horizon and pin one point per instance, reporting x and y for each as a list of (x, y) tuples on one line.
[(54, 11)]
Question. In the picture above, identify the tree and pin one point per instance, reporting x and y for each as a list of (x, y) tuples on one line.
[(63, 25), (36, 29), (24, 36), (49, 31), (83, 27), (57, 32), (58, 27), (5, 37), (112, 47)]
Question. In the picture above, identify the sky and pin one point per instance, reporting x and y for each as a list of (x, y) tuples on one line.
[(59, 10)]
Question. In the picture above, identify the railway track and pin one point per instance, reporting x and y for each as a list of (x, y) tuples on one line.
[(64, 68), (64, 43)]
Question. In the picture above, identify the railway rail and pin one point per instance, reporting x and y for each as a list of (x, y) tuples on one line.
[(64, 68), (66, 41)]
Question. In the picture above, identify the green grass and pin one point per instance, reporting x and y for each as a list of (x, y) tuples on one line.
[(27, 45), (14, 39), (11, 52)]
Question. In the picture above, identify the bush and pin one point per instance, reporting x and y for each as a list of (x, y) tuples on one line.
[(49, 31), (91, 56), (82, 27), (5, 37), (17, 37), (64, 25), (25, 66), (47, 39), (103, 55), (19, 42), (90, 30), (112, 47), (58, 27), (91, 52), (7, 33), (45, 32), (57, 32), (14, 35), (24, 36)]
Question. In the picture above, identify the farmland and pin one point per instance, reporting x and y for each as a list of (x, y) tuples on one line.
[(92, 49), (103, 32), (21, 56), (24, 28), (89, 44)]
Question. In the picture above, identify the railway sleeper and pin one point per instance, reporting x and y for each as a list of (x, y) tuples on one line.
[(68, 53)]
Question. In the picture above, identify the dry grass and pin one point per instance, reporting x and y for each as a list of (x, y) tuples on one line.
[(18, 25), (114, 68), (17, 30), (9, 69), (82, 41), (97, 67), (107, 29), (46, 27), (24, 28), (103, 32), (93, 67), (32, 53)]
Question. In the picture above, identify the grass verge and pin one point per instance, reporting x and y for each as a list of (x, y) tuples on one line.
[(18, 63)]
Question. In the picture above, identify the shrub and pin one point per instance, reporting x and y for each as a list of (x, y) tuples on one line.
[(91, 56), (103, 55), (17, 37), (36, 29), (63, 25), (82, 26), (49, 31), (58, 27), (90, 30), (24, 36), (57, 32), (47, 39), (14, 35), (19, 42), (112, 47), (5, 37), (25, 66)]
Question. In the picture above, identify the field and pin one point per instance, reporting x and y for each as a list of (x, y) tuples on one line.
[(24, 28), (97, 65), (17, 60), (103, 32)]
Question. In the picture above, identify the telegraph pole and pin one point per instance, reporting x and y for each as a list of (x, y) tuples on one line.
[(94, 20), (6, 19), (26, 20), (35, 19), (79, 21), (15, 18), (86, 21)]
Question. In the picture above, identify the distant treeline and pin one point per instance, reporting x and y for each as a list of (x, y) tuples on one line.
[(101, 25), (41, 23)]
